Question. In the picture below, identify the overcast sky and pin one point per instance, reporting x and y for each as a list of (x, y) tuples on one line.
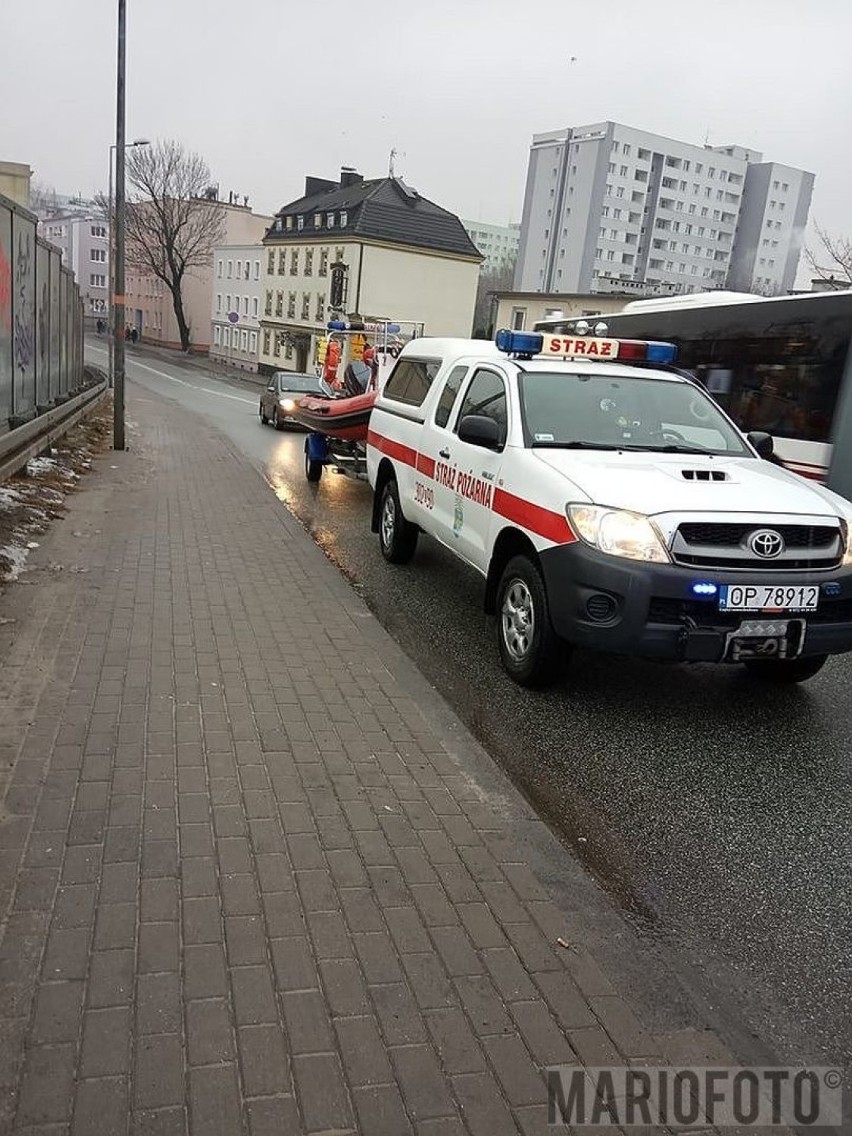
[(271, 90)]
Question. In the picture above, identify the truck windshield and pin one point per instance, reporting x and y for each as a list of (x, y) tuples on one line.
[(604, 412)]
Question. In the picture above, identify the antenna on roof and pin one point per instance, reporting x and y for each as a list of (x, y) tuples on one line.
[(393, 155)]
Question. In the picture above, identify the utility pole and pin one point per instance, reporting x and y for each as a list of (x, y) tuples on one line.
[(120, 317)]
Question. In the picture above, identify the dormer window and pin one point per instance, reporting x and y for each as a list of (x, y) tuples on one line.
[(317, 220), (344, 217), (289, 222), (300, 222), (330, 220)]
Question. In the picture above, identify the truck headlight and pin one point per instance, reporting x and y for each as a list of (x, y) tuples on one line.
[(287, 404), (618, 532)]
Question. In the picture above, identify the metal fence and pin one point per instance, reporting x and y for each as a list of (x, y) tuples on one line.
[(41, 322)]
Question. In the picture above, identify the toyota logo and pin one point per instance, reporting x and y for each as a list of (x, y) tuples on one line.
[(766, 543)]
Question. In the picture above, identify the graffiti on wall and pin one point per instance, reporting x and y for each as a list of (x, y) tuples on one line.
[(5, 291), (24, 315)]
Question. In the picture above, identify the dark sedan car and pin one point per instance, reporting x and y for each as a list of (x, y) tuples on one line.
[(285, 388)]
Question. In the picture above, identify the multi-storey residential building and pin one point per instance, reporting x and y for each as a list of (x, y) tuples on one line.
[(149, 306), (497, 243), (771, 231), (368, 249), (606, 202), (83, 239), (238, 289)]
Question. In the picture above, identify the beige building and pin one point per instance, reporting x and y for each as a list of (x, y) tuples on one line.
[(149, 306), (354, 249), (520, 311), (15, 180)]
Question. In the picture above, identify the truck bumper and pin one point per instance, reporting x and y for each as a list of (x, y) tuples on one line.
[(632, 608)]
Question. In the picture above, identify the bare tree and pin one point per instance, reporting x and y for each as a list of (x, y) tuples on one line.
[(174, 220), (491, 280), (832, 262)]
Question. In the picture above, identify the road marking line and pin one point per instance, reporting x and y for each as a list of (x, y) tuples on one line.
[(182, 382)]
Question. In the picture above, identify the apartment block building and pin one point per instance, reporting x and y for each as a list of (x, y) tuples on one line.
[(497, 243), (609, 203), (83, 239)]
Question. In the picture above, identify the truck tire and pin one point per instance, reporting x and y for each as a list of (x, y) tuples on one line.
[(529, 647), (397, 536), (785, 671)]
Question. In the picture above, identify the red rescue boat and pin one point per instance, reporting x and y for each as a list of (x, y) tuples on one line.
[(347, 418)]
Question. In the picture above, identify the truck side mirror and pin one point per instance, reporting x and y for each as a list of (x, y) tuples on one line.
[(479, 430), (762, 442)]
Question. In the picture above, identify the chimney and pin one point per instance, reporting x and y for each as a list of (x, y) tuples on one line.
[(349, 176)]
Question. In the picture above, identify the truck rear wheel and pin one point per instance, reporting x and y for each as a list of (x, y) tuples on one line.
[(397, 536), (785, 671), (529, 647)]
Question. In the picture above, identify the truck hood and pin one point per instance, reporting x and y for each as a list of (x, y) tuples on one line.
[(688, 483)]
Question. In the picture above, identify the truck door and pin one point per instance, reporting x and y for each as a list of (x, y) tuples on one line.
[(436, 448), (477, 466)]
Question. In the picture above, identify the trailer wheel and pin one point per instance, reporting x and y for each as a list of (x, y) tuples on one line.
[(313, 469)]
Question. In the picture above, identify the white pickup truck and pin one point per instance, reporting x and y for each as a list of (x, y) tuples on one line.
[(609, 503)]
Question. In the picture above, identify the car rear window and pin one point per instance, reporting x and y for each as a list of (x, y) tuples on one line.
[(411, 379)]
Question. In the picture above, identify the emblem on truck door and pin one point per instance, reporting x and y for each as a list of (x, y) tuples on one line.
[(766, 543)]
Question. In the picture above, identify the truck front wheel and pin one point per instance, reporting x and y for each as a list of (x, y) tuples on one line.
[(397, 536), (529, 647)]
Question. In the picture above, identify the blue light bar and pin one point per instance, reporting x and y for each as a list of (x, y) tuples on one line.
[(661, 352), (336, 325), (704, 589), (519, 342)]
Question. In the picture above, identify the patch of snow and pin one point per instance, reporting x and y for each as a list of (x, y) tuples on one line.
[(18, 558), (35, 466), (9, 498)]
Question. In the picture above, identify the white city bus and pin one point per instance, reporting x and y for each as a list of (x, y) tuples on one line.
[(780, 365)]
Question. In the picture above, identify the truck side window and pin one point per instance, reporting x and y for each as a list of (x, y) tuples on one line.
[(448, 395), (486, 395), (411, 379)]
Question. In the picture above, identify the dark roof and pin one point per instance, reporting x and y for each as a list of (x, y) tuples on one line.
[(384, 209)]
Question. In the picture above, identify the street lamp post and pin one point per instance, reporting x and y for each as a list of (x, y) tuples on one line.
[(111, 316)]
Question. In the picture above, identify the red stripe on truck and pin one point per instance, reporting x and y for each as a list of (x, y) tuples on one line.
[(535, 518)]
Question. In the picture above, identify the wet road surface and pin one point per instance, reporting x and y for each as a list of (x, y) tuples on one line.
[(716, 814)]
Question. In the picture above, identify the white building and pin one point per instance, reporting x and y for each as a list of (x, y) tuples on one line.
[(771, 231), (83, 239), (497, 243), (606, 202), (237, 293), (372, 250)]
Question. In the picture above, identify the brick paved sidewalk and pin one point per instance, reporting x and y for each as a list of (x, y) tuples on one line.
[(249, 883)]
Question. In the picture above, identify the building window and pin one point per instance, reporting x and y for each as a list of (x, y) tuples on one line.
[(282, 262), (245, 305), (239, 269), (330, 220), (98, 231), (279, 303), (317, 220), (230, 269), (309, 262), (268, 307), (270, 264), (217, 335), (218, 302), (226, 337), (625, 149), (291, 306), (306, 305), (227, 303), (257, 270), (96, 280), (288, 350), (641, 175), (622, 171), (294, 262), (300, 223), (323, 263), (253, 343), (267, 335), (320, 307), (644, 155), (244, 341), (219, 269), (289, 222), (98, 255), (255, 304), (276, 349), (519, 316), (344, 218)]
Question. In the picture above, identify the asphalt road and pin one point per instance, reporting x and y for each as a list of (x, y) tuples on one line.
[(717, 816)]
